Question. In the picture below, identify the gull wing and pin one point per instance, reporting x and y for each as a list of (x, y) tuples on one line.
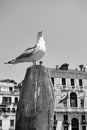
[(31, 48), (28, 52)]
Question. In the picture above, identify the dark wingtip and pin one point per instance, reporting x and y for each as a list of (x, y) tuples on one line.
[(9, 62), (6, 63)]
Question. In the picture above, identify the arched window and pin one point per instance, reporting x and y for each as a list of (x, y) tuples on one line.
[(75, 124), (73, 99)]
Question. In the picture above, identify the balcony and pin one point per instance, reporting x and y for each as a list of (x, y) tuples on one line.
[(73, 87), (83, 122), (6, 103), (70, 110), (67, 87), (5, 115), (64, 88), (5, 111), (65, 123), (80, 88), (11, 128), (15, 92)]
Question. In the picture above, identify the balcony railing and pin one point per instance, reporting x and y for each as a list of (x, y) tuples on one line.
[(66, 123), (71, 110), (69, 87), (6, 111), (16, 92), (6, 103), (64, 88), (83, 122), (73, 87), (11, 128), (5, 115)]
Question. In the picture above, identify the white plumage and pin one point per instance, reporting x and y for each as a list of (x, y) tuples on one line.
[(32, 54)]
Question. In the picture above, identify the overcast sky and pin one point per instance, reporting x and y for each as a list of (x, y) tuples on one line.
[(64, 24)]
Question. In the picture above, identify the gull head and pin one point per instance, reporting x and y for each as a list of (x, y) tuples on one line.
[(40, 34)]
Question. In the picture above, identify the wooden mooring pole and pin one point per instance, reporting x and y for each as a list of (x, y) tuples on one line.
[(36, 104)]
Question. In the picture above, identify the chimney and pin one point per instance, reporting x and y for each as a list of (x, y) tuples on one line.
[(76, 69), (81, 67), (64, 66), (84, 69), (57, 67), (41, 62)]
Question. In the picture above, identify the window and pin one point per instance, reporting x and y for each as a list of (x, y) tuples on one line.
[(55, 122), (7, 100), (65, 103), (75, 124), (4, 99), (8, 109), (83, 117), (52, 79), (1, 110), (0, 122), (65, 127), (65, 117), (16, 100), (65, 122), (4, 109), (63, 81), (83, 127), (11, 122), (72, 82), (13, 110), (82, 103), (83, 120), (10, 89), (73, 99), (80, 82)]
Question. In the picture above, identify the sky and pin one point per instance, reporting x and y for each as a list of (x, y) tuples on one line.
[(64, 25)]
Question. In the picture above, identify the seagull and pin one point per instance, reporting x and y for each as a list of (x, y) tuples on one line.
[(32, 54)]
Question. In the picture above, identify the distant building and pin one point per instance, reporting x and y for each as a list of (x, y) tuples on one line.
[(9, 96), (70, 88)]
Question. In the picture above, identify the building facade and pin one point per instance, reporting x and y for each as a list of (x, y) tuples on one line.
[(70, 88), (9, 96)]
